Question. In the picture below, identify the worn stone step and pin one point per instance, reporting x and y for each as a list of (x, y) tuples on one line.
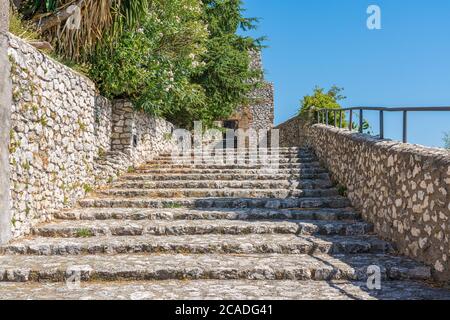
[(208, 214), (200, 244), (118, 202), (285, 155), (311, 165), (224, 192), (225, 177), (217, 184), (73, 229), (209, 153), (245, 151), (223, 290), (212, 266), (223, 161), (261, 171)]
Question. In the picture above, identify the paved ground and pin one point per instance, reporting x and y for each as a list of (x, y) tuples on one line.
[(169, 231), (219, 290)]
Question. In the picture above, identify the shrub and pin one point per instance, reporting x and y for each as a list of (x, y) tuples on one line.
[(321, 100), (153, 65), (447, 140)]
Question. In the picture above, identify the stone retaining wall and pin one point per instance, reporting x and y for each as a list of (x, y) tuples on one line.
[(403, 189), (66, 139), (5, 110), (293, 133)]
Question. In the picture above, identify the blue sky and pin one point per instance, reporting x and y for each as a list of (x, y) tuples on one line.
[(326, 42)]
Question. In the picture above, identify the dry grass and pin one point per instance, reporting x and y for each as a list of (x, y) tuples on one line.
[(20, 28), (96, 18)]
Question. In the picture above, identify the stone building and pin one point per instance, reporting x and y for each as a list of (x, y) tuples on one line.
[(259, 114)]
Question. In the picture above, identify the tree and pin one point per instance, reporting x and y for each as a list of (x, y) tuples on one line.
[(226, 76), (447, 140), (153, 65), (322, 100), (99, 20)]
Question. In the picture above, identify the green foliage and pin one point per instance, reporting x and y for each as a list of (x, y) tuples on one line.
[(172, 205), (179, 59), (226, 75), (342, 190), (84, 233), (447, 140), (153, 65), (185, 62), (322, 100), (87, 188), (20, 27)]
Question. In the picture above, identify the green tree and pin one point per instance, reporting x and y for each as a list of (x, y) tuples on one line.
[(226, 76), (153, 65), (447, 140), (321, 99), (185, 62)]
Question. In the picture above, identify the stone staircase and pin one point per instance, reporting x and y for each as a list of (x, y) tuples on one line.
[(184, 231)]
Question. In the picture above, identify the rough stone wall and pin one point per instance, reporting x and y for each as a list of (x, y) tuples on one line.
[(259, 114), (293, 133), (262, 109), (403, 189), (62, 137), (5, 110), (137, 134)]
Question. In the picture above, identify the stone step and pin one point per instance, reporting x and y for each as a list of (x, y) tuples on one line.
[(212, 266), (225, 177), (200, 244), (214, 193), (311, 165), (222, 290), (208, 214), (284, 154), (235, 172), (74, 229), (217, 184), (245, 151), (191, 161), (117, 202)]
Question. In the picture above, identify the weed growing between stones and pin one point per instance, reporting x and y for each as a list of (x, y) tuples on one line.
[(172, 205), (84, 233)]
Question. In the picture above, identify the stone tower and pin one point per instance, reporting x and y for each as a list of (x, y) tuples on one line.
[(260, 113)]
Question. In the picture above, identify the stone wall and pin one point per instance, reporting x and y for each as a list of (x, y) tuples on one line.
[(262, 107), (5, 110), (66, 139), (293, 133), (403, 189), (259, 115)]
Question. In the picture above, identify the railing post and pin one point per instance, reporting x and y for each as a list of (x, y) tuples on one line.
[(405, 126), (326, 116), (340, 119), (381, 124), (335, 119), (350, 125), (361, 121), (318, 116)]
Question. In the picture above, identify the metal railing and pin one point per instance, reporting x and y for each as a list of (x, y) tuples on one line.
[(323, 116)]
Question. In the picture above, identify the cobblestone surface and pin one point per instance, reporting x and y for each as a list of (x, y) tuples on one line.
[(208, 266), (224, 290), (221, 246)]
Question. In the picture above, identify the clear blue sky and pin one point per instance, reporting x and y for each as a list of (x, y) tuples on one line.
[(326, 42)]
